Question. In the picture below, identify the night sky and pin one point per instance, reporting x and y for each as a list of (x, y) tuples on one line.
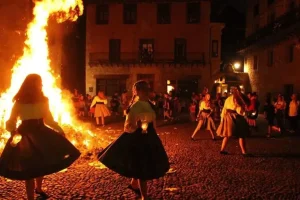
[(239, 4)]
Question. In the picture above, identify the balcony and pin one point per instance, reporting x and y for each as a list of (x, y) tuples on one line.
[(158, 58), (285, 26)]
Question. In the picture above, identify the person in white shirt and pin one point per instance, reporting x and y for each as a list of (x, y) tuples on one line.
[(205, 118), (101, 110), (280, 106), (293, 113), (233, 122)]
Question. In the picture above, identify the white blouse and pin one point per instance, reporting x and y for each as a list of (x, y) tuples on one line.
[(140, 110), (31, 111), (97, 99), (230, 104)]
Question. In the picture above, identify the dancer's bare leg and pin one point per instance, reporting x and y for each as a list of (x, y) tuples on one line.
[(224, 144), (29, 184), (102, 120), (242, 143), (197, 128), (143, 189), (97, 120), (39, 183), (212, 134), (134, 183)]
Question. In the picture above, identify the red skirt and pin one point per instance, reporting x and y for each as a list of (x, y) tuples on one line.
[(40, 152)]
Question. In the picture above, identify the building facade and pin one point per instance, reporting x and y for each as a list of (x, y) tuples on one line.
[(169, 44), (272, 45)]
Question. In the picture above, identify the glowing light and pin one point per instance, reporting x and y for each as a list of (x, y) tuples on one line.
[(237, 65), (246, 69), (144, 126), (16, 139), (170, 88)]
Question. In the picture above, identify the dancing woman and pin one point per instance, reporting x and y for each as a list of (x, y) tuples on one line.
[(101, 110), (138, 153), (233, 122), (205, 118), (41, 150)]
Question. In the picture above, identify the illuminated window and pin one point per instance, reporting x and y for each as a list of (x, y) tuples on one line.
[(146, 50)]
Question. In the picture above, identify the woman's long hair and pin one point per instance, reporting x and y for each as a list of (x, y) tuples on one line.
[(140, 86), (30, 90), (241, 99)]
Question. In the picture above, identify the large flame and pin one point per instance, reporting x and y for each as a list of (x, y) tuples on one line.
[(35, 59)]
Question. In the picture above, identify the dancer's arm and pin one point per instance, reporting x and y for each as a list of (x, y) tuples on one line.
[(49, 120), (11, 123)]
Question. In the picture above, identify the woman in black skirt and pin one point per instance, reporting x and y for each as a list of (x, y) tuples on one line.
[(41, 150), (138, 153), (233, 123)]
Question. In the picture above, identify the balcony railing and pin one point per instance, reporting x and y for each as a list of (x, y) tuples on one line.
[(99, 58), (279, 29)]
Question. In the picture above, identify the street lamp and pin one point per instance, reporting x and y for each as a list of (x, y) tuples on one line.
[(237, 65)]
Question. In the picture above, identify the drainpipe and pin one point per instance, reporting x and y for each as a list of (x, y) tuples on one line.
[(209, 51)]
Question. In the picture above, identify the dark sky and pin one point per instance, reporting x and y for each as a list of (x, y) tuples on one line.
[(239, 4)]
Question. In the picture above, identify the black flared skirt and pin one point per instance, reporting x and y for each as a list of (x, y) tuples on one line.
[(233, 124), (40, 152), (137, 155)]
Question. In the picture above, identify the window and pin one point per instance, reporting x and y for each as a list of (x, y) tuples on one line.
[(215, 48), (193, 13), (129, 13), (102, 14), (271, 18), (163, 13), (255, 63), (180, 49), (147, 77), (270, 58), (256, 10), (114, 50), (111, 85), (270, 2), (291, 53), (146, 50)]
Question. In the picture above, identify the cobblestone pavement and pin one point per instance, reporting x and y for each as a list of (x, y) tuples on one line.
[(198, 171)]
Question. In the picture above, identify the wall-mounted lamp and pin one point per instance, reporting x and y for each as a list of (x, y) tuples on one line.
[(236, 65)]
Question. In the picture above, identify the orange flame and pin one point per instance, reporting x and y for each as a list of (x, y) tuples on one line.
[(35, 59)]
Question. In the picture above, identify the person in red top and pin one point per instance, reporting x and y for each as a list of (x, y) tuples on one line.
[(193, 111), (252, 110)]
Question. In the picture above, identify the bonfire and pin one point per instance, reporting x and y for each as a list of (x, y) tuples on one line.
[(35, 59)]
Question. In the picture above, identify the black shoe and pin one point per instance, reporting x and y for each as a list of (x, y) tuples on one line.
[(42, 194), (136, 191), (193, 139), (247, 155), (224, 153)]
